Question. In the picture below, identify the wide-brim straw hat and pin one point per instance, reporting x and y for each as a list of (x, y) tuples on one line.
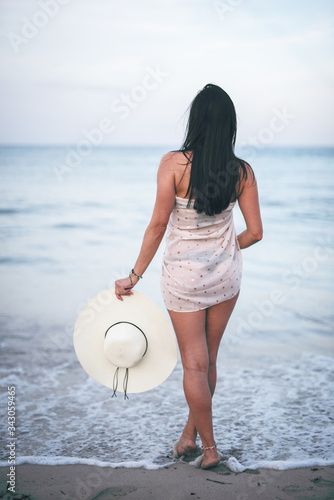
[(130, 340)]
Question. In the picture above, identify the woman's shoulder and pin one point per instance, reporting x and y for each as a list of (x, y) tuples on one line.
[(177, 163), (248, 175), (176, 156), (247, 179), (175, 160)]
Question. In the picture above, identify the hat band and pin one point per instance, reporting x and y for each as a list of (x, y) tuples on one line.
[(126, 376)]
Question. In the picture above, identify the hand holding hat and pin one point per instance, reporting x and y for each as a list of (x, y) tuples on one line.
[(124, 286)]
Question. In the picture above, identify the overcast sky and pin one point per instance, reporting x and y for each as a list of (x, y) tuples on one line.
[(131, 68)]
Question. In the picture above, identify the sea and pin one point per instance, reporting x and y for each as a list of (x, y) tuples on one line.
[(72, 222)]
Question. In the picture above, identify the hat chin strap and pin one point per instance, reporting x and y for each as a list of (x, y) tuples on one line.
[(126, 376), (125, 383)]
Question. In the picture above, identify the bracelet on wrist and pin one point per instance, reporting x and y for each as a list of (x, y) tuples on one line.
[(137, 276)]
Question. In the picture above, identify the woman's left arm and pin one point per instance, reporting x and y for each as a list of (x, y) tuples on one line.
[(164, 203)]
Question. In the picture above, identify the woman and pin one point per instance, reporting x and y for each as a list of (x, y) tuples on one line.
[(197, 188)]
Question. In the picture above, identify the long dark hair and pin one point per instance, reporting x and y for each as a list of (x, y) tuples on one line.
[(216, 172)]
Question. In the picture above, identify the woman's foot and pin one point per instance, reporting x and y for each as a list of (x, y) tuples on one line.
[(185, 446), (210, 459)]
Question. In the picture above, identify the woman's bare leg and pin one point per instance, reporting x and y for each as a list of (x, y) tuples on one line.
[(191, 335), (216, 320)]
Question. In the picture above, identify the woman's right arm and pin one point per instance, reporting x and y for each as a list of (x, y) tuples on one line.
[(250, 208)]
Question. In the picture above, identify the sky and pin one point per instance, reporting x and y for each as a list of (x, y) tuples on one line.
[(125, 72)]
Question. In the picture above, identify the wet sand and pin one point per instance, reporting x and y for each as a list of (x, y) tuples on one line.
[(175, 482)]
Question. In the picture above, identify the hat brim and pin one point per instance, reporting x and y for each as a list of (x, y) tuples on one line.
[(103, 311)]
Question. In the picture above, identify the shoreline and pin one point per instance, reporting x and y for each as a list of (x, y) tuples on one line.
[(177, 481)]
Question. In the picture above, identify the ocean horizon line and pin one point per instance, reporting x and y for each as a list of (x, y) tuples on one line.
[(158, 146)]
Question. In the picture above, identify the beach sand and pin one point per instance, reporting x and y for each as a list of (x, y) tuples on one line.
[(175, 482)]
